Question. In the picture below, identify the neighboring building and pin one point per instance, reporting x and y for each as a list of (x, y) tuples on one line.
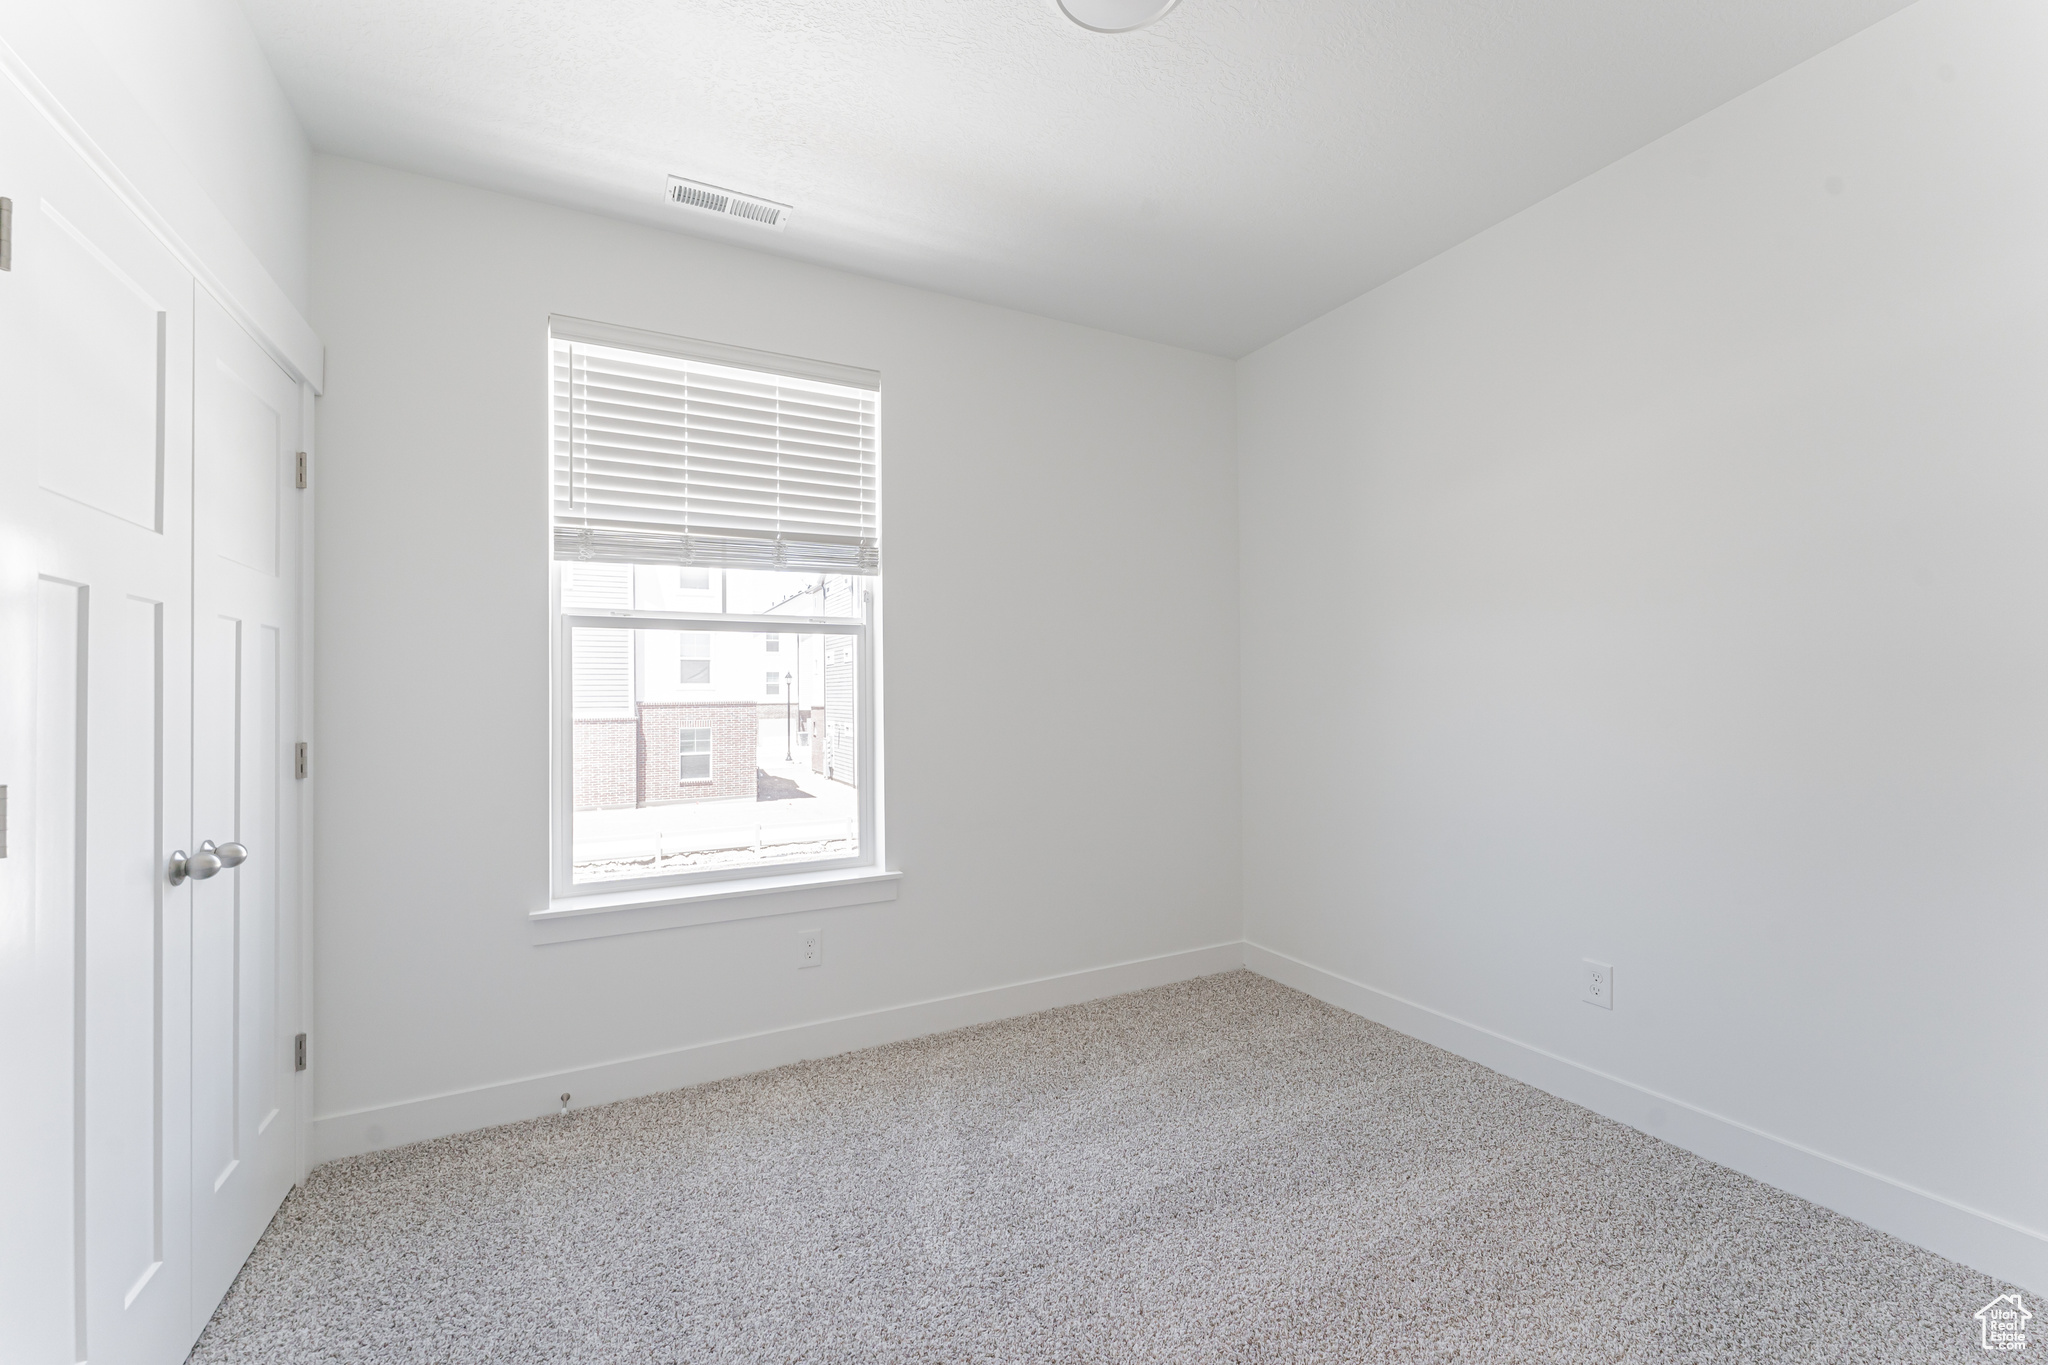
[(666, 716), (835, 724)]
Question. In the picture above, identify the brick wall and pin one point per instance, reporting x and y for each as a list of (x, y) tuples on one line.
[(607, 764), (735, 744)]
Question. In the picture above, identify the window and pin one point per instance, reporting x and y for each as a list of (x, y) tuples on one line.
[(695, 651), (710, 506), (693, 756)]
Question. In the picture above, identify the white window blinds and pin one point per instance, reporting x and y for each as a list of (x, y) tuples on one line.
[(664, 459)]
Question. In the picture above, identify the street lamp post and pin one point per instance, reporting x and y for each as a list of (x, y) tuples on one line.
[(788, 722)]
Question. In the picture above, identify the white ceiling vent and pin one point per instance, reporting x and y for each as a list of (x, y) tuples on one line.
[(699, 197)]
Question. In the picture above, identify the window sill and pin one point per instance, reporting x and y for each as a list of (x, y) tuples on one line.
[(635, 912)]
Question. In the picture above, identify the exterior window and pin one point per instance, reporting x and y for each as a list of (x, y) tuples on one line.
[(693, 756), (696, 659), (697, 500)]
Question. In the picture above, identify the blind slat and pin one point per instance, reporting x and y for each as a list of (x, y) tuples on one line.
[(662, 460)]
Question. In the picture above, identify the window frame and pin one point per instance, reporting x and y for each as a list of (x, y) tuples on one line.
[(566, 891), (633, 905), (710, 744), (683, 660)]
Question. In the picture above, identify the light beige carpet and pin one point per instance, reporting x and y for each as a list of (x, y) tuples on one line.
[(1223, 1170)]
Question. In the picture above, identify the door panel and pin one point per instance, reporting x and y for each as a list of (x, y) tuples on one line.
[(101, 372), (59, 852), (266, 1044), (95, 598), (216, 913), (241, 470), (122, 1025), (245, 584)]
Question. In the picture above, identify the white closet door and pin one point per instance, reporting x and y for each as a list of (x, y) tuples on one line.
[(245, 720), (95, 746)]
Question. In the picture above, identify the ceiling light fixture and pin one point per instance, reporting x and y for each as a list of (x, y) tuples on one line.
[(1115, 16)]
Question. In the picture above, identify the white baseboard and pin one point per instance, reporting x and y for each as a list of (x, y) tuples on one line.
[(2001, 1249), (393, 1125), (2004, 1250)]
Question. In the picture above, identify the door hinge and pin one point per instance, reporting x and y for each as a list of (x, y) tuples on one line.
[(299, 760), (302, 469), (299, 1053), (6, 234)]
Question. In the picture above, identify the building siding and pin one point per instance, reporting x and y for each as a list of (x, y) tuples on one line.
[(838, 732)]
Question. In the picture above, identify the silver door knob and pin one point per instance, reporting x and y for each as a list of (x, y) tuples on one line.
[(231, 854), (198, 867), (207, 861)]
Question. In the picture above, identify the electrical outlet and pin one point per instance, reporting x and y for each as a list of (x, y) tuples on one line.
[(1598, 980), (810, 950)]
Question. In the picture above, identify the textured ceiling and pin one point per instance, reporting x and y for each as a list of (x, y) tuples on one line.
[(1212, 181)]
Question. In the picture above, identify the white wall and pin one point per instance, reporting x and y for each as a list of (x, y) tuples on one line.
[(196, 67), (1673, 561), (174, 102), (1062, 767)]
